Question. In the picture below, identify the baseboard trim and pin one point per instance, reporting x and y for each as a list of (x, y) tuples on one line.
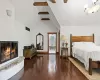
[(46, 52)]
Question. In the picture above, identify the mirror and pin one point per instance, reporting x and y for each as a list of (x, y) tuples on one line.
[(39, 41)]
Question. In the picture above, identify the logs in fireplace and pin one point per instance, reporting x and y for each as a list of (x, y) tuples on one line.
[(8, 50)]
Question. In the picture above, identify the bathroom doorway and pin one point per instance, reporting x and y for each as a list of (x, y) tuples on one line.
[(52, 42)]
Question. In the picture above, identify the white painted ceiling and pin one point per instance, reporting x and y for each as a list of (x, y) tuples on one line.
[(79, 17), (66, 14), (72, 13), (27, 14)]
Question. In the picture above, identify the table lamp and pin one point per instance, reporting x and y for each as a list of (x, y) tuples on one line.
[(63, 39)]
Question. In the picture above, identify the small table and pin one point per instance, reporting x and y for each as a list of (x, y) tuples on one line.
[(64, 51)]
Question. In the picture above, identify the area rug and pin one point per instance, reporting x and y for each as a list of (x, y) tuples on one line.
[(80, 66)]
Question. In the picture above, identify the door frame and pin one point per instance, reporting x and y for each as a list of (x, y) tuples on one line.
[(56, 40), (59, 42)]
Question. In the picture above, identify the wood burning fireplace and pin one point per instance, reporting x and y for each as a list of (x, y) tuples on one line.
[(8, 50)]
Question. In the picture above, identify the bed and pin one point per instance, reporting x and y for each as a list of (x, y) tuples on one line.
[(84, 49)]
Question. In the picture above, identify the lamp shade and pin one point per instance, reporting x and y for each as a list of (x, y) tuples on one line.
[(63, 38)]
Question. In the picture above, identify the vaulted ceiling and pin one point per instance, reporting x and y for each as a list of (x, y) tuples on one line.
[(63, 14), (27, 13), (72, 13)]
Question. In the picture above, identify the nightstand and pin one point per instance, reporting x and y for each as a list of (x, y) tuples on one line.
[(64, 52)]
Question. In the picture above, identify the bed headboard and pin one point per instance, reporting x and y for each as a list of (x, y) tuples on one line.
[(80, 39)]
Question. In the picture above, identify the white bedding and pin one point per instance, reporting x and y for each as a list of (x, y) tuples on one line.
[(84, 51)]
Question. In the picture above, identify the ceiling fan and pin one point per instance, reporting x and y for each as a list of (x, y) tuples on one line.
[(92, 6)]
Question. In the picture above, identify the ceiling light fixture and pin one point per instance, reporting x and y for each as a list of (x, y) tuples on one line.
[(94, 7), (95, 1)]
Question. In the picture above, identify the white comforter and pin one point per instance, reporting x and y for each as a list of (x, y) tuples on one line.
[(85, 51)]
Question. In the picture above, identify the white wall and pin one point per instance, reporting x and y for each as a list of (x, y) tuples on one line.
[(10, 30), (25, 12), (81, 30), (6, 22), (43, 27), (28, 15), (22, 36)]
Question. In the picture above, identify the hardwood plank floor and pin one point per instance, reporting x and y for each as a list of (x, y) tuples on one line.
[(51, 67)]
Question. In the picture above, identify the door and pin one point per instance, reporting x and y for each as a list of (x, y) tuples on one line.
[(52, 43)]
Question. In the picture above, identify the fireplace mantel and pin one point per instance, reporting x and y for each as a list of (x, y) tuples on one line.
[(12, 68)]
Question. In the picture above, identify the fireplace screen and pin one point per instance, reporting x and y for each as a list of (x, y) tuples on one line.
[(8, 50)]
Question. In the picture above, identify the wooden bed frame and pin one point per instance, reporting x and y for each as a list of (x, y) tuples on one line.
[(92, 64)]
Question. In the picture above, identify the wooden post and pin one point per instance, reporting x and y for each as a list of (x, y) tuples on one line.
[(71, 45), (53, 1), (65, 1), (40, 4), (90, 66), (93, 37), (43, 13)]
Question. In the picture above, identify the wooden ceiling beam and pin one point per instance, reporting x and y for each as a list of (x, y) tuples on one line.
[(43, 13), (53, 1), (40, 4), (65, 1), (45, 19)]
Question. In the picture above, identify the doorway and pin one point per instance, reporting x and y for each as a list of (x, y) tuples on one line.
[(52, 42)]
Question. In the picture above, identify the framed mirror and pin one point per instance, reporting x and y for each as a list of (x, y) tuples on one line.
[(39, 41)]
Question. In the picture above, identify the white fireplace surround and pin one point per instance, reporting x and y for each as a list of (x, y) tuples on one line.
[(10, 68), (13, 31)]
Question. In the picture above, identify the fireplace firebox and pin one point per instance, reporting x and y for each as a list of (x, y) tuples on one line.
[(8, 50)]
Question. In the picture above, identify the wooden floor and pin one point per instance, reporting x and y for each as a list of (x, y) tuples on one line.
[(51, 67)]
